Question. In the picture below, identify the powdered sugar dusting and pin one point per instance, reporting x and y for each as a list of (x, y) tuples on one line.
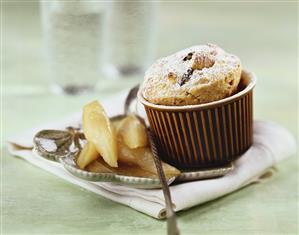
[(209, 64)]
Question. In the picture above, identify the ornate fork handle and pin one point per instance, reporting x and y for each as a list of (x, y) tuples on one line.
[(172, 227)]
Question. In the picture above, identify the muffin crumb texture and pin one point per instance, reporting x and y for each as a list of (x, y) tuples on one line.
[(196, 75)]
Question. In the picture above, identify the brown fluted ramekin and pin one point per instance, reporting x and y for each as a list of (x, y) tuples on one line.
[(204, 135)]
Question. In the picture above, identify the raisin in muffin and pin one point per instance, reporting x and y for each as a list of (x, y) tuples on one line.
[(196, 75)]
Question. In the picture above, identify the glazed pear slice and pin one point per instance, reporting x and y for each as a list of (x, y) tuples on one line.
[(142, 157), (99, 131), (99, 166), (87, 155), (135, 168), (133, 132)]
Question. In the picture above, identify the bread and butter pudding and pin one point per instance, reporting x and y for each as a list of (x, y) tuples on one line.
[(196, 75), (199, 105)]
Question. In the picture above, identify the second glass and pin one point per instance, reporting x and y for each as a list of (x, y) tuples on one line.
[(131, 38)]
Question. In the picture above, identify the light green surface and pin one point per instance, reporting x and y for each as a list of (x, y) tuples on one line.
[(264, 35)]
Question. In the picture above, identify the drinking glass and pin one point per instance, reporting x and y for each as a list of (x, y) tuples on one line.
[(131, 37), (73, 33)]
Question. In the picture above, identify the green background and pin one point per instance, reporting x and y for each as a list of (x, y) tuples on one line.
[(263, 34)]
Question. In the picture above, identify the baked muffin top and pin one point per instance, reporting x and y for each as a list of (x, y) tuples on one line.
[(196, 75)]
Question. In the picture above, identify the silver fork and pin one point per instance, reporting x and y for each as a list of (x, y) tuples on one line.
[(172, 227)]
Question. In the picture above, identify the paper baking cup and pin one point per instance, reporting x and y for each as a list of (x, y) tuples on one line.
[(204, 135)]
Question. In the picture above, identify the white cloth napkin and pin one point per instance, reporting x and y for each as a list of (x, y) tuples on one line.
[(272, 143)]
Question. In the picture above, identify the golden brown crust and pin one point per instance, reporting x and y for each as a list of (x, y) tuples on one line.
[(196, 75)]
